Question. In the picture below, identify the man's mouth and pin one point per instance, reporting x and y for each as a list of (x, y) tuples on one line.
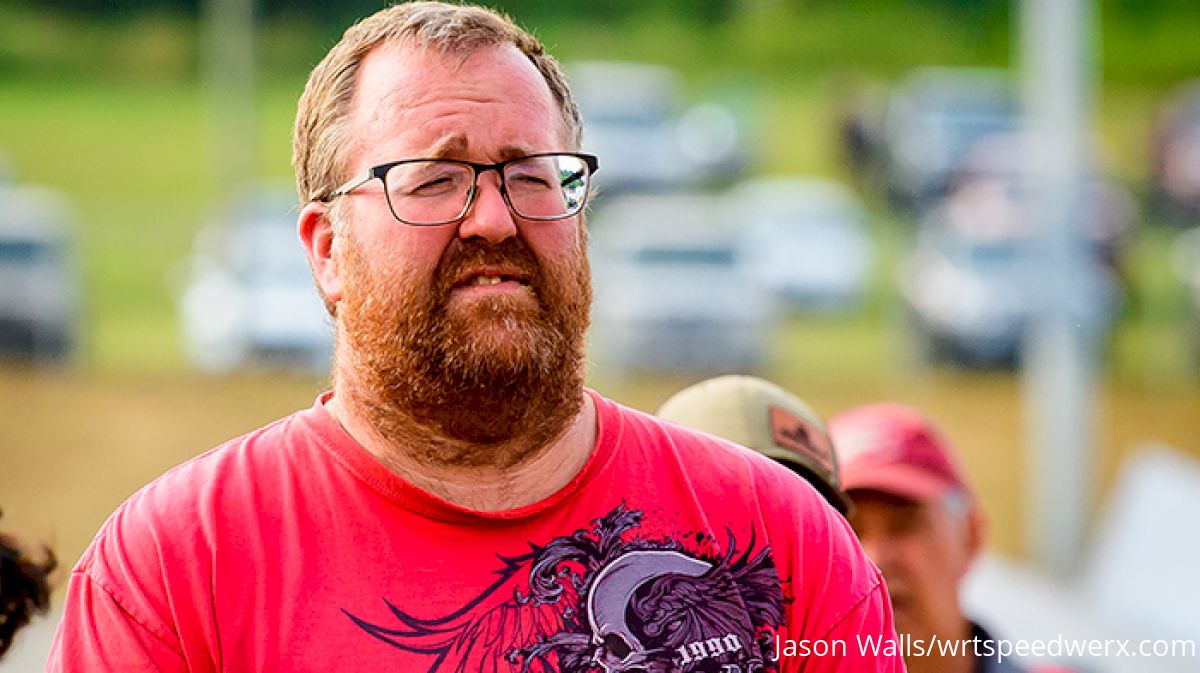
[(481, 283), (491, 280)]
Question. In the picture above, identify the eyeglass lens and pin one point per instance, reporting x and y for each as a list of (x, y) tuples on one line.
[(541, 187)]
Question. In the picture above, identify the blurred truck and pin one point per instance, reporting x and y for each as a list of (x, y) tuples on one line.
[(249, 300), (648, 140), (39, 288), (671, 293), (935, 116)]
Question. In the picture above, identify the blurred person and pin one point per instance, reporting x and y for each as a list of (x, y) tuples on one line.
[(24, 588), (760, 415), (919, 520), (459, 500)]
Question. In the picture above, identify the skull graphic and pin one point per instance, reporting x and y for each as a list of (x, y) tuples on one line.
[(618, 650)]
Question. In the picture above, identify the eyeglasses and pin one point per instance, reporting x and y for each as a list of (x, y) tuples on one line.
[(427, 192)]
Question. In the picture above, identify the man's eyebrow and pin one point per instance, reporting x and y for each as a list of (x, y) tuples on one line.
[(449, 146), (455, 146), (510, 152)]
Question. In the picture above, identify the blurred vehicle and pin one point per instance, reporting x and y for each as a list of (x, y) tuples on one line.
[(635, 122), (995, 163), (805, 240), (250, 300), (934, 117), (1176, 154), (966, 286), (38, 279), (964, 296), (670, 291)]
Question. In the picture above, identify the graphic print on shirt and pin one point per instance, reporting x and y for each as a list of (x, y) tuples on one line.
[(606, 600)]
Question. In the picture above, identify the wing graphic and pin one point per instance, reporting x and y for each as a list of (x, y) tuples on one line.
[(486, 633)]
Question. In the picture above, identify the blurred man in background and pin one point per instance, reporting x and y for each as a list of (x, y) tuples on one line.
[(918, 519), (459, 501), (24, 588), (762, 416)]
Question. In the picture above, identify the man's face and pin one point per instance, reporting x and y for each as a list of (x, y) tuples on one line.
[(461, 325), (923, 550)]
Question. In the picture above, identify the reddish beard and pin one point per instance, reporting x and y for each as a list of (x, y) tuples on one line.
[(488, 381)]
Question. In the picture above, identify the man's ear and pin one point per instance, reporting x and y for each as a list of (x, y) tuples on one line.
[(316, 233), (977, 525)]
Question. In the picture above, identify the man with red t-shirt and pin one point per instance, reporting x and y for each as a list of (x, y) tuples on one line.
[(459, 501)]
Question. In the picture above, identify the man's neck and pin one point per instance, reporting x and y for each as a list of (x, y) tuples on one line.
[(481, 487), (935, 662)]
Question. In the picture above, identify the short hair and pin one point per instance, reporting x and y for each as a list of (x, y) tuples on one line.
[(321, 132), (24, 588)]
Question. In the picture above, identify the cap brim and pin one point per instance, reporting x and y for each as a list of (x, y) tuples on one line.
[(898, 480), (836, 497), (839, 500)]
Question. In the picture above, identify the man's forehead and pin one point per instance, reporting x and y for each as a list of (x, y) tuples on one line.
[(887, 499), (393, 75), (398, 77), (400, 69)]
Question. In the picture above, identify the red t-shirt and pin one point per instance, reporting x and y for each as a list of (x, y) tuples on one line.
[(292, 549)]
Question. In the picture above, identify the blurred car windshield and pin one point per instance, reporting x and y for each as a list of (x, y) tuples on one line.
[(686, 256), (18, 251)]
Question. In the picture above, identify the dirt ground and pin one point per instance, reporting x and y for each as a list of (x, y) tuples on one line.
[(77, 444)]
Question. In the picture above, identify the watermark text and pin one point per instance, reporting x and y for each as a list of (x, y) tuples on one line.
[(1059, 647)]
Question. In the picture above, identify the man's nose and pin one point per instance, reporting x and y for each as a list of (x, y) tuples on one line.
[(489, 216)]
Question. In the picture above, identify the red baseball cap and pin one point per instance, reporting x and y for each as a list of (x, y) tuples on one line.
[(896, 450)]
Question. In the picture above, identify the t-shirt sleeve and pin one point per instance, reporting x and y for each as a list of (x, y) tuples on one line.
[(98, 633), (863, 641), (839, 617), (138, 588)]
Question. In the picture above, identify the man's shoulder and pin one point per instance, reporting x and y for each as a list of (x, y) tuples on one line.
[(706, 458), (221, 477), (646, 430), (239, 457)]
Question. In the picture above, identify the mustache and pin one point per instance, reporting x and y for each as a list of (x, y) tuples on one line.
[(466, 254)]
